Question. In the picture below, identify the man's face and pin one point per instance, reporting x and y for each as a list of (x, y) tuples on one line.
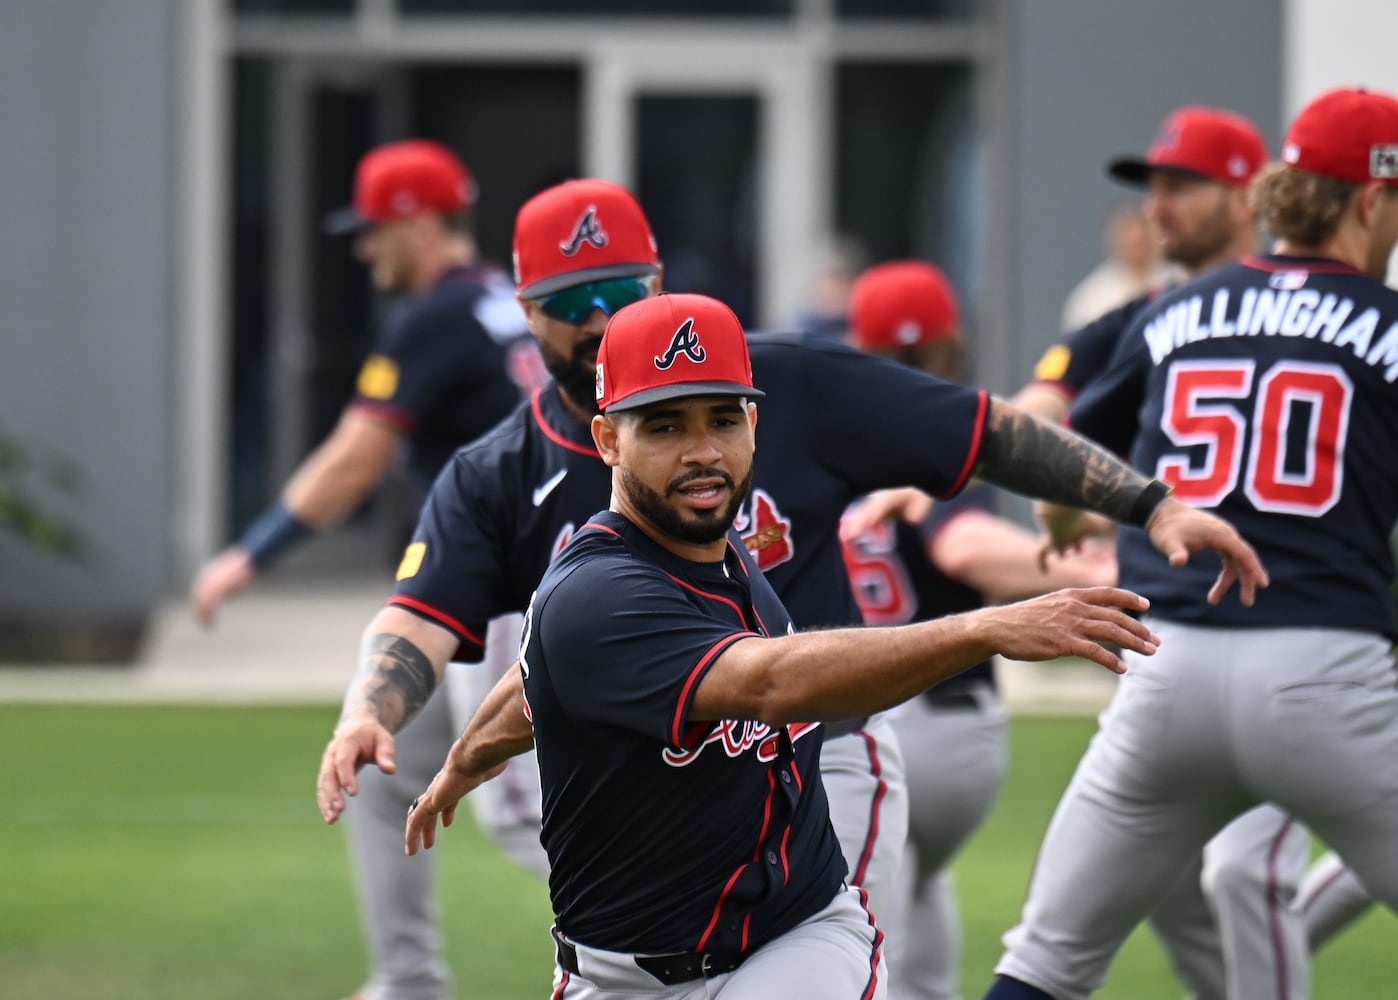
[(686, 464), (569, 346), (386, 248), (1194, 218)]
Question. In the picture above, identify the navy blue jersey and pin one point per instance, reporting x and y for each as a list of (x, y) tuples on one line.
[(896, 582), (448, 366), (1080, 356), (836, 424), (1266, 391), (665, 833)]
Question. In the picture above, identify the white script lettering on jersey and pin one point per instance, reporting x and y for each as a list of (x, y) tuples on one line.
[(1275, 312), (737, 737)]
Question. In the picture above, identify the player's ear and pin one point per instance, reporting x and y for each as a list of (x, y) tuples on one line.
[(605, 435), (752, 415)]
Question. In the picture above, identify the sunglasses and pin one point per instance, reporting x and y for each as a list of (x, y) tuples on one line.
[(573, 305)]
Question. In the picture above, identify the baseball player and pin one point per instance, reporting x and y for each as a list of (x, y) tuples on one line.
[(1264, 912), (962, 556), (450, 361), (507, 503), (663, 685), (1264, 390)]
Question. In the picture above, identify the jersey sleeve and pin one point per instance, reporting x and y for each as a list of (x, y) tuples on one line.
[(1076, 359), (453, 570), (881, 424), (1108, 411), (625, 648), (424, 348)]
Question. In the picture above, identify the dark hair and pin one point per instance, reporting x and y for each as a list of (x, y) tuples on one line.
[(1299, 206)]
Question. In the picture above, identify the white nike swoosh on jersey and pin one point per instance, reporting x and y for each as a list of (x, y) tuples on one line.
[(540, 492)]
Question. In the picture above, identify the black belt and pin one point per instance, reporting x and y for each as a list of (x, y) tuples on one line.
[(681, 967), (952, 699)]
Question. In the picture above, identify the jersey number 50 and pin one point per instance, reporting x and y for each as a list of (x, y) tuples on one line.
[(1202, 408)]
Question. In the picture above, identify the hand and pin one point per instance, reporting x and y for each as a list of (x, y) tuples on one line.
[(1177, 529), (354, 744), (1067, 528), (1073, 623), (911, 504), (220, 578), (448, 788)]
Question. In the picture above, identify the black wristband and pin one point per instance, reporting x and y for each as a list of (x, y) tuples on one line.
[(277, 530), (1146, 502)]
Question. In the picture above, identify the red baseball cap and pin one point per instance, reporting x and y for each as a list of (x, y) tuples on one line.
[(402, 179), (1218, 145), (1348, 133), (901, 304), (581, 231), (669, 346)]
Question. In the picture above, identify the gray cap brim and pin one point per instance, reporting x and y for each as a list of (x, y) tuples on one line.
[(681, 390), (558, 282)]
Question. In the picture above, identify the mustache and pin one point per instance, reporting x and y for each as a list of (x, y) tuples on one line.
[(676, 485), (583, 348)]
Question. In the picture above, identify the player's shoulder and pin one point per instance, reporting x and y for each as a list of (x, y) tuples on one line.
[(600, 566), (466, 301), (509, 442)]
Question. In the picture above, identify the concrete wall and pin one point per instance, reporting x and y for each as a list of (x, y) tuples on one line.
[(1093, 80), (86, 89)]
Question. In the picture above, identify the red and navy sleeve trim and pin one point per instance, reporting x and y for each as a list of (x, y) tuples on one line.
[(681, 737), (974, 451), (385, 413), (424, 610)]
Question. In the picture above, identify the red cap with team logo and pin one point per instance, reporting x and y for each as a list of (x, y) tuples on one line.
[(403, 179), (581, 231), (1219, 145), (1349, 134), (669, 346), (902, 303)]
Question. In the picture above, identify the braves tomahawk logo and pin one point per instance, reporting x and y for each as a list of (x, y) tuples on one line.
[(765, 532), (686, 342), (587, 230)]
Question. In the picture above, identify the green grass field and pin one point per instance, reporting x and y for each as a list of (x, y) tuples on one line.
[(160, 852)]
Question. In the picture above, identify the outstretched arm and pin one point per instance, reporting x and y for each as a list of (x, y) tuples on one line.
[(332, 481), (1040, 460), (839, 673), (498, 731), (401, 660)]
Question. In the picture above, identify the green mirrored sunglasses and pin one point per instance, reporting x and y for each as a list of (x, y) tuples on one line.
[(573, 305)]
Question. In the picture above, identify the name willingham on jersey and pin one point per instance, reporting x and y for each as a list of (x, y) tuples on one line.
[(1275, 312)]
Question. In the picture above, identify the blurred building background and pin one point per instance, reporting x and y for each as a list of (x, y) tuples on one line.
[(178, 333)]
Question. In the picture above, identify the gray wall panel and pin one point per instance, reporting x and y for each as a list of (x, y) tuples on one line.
[(85, 180), (1095, 77)]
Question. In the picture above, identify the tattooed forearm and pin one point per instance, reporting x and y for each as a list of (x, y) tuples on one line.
[(1046, 462), (397, 678)]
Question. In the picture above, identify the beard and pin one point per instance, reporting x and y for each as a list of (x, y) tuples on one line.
[(1208, 241), (575, 374), (708, 526)]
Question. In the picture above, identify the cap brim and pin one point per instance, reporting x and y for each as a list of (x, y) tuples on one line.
[(558, 282), (1129, 170), (343, 221), (1137, 172), (681, 390)]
